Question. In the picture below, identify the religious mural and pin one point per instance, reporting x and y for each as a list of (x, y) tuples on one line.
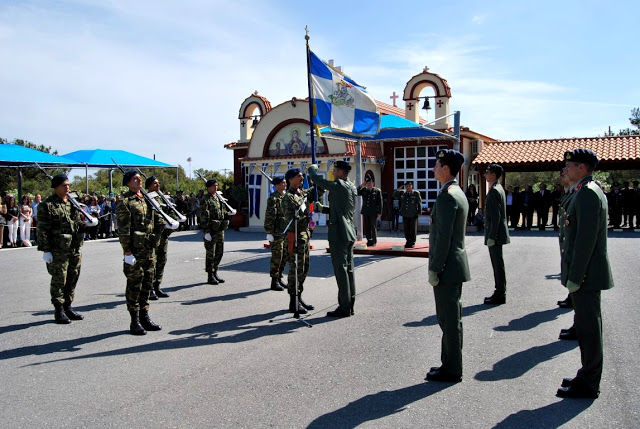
[(293, 140)]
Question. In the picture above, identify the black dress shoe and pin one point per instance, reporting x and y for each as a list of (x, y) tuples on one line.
[(569, 335), (495, 300), (568, 329), (434, 368), (566, 382), (574, 391), (567, 303), (440, 375), (338, 312)]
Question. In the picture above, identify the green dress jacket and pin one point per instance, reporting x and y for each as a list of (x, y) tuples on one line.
[(495, 216), (447, 254), (584, 248)]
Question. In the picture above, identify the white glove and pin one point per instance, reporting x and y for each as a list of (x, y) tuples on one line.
[(232, 212), (172, 225), (47, 257), (270, 238), (130, 259), (433, 278), (207, 236)]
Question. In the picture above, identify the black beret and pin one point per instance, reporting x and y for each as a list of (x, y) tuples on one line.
[(58, 180), (496, 169), (293, 172), (150, 181), (586, 156), (211, 182), (128, 176), (408, 182), (277, 180), (342, 165), (450, 156)]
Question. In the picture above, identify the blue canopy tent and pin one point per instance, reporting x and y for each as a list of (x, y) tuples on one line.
[(16, 156), (103, 158)]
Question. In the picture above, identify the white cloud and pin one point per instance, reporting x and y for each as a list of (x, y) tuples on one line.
[(479, 19)]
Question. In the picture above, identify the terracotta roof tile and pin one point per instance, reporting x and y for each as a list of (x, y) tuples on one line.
[(622, 148)]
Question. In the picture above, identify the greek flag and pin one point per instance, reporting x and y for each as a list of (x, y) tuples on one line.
[(340, 103)]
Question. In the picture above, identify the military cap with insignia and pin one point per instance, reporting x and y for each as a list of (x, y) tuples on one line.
[(342, 165), (128, 176), (582, 155), (150, 181), (408, 183), (277, 180), (291, 173), (368, 178), (58, 179), (450, 157)]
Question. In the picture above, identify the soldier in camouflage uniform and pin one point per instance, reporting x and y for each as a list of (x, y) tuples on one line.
[(214, 220), (136, 225), (60, 237), (298, 244), (161, 235), (410, 209), (371, 209), (274, 226)]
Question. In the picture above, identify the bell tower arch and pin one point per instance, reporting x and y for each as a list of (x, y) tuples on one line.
[(440, 101), (252, 109)]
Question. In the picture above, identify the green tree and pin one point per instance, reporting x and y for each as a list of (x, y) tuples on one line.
[(635, 117)]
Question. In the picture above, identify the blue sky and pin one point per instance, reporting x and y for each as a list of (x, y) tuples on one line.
[(167, 77)]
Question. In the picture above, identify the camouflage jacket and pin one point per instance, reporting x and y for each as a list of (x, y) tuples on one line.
[(290, 203), (136, 222), (160, 227), (60, 226), (274, 215), (213, 215)]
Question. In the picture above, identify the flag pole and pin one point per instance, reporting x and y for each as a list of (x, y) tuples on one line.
[(311, 103)]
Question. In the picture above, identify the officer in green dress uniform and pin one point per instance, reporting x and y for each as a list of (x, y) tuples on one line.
[(136, 225), (60, 237), (295, 205), (569, 188), (496, 232), (585, 270), (448, 265), (274, 226), (371, 208), (161, 235), (342, 234), (410, 209), (214, 219)]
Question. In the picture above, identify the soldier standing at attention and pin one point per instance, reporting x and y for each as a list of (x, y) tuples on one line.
[(295, 205), (371, 208), (496, 232), (342, 234), (161, 235), (274, 226), (448, 265), (214, 220), (60, 237), (136, 224), (585, 270), (410, 209)]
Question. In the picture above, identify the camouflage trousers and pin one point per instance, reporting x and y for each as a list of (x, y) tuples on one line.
[(303, 264), (139, 280), (161, 256), (278, 257), (64, 271), (214, 250)]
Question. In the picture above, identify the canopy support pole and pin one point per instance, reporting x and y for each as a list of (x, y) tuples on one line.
[(357, 215)]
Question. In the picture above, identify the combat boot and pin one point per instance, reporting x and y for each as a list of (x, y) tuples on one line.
[(211, 279), (60, 316), (292, 305), (152, 295), (71, 314), (147, 323), (275, 285), (135, 327), (281, 283), (304, 304), (159, 292), (217, 277)]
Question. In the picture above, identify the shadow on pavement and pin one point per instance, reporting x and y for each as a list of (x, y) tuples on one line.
[(59, 346), (550, 416), (532, 320), (433, 320), (21, 326), (228, 297), (518, 364), (376, 406)]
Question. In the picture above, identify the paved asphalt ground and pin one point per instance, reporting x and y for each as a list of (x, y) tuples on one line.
[(218, 362)]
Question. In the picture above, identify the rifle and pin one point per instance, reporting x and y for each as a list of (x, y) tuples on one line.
[(232, 211), (166, 201), (153, 203), (88, 219), (267, 176)]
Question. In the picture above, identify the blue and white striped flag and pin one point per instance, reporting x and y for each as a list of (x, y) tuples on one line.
[(341, 103)]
